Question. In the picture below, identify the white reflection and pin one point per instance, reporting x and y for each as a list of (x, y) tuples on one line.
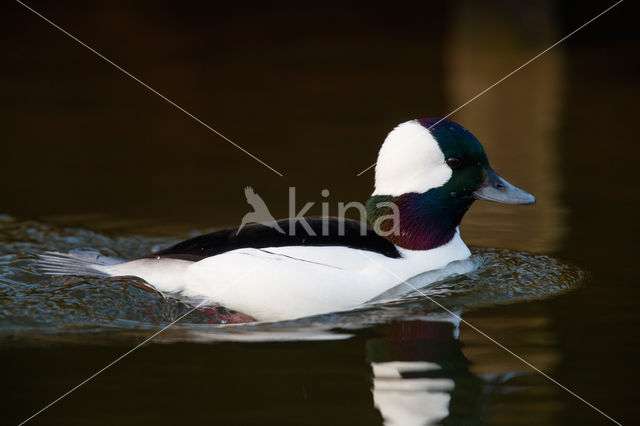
[(410, 401), (413, 389)]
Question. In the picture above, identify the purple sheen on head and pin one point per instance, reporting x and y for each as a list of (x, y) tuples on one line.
[(431, 121)]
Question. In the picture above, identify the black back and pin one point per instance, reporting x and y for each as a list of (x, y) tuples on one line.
[(263, 236)]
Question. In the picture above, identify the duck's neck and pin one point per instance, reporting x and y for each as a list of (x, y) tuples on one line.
[(425, 221)]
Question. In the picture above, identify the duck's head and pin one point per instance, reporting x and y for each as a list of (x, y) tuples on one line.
[(432, 170)]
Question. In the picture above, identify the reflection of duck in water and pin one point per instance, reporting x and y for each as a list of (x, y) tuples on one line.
[(421, 376), (260, 213)]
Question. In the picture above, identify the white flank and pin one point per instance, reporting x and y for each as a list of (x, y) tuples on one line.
[(290, 282)]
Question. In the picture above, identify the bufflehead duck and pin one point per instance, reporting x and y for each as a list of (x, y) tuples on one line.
[(431, 169)]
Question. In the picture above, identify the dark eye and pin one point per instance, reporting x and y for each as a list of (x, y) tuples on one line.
[(454, 162)]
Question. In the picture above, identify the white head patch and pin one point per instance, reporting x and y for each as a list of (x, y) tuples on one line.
[(410, 160)]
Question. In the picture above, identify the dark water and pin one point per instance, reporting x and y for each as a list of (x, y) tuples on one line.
[(92, 160)]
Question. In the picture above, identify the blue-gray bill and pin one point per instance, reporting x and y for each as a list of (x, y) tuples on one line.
[(495, 188)]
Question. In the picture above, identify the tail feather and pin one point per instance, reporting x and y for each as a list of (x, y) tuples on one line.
[(75, 263)]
